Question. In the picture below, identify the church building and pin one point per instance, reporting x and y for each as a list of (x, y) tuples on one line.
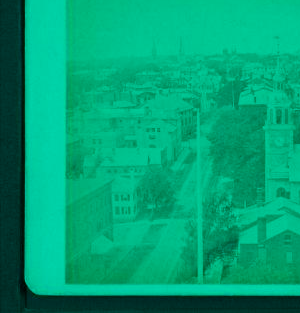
[(282, 160)]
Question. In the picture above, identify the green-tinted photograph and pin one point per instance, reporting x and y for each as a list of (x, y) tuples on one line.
[(182, 142)]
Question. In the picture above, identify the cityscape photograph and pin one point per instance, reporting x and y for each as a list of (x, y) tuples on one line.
[(183, 142)]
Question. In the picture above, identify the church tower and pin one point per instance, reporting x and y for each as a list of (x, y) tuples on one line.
[(279, 76), (154, 50), (181, 49), (279, 143)]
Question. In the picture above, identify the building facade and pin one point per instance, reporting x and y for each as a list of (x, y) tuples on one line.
[(89, 216)]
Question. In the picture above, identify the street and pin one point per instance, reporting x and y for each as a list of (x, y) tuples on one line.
[(149, 251)]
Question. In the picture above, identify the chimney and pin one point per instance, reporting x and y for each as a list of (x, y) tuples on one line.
[(261, 229)]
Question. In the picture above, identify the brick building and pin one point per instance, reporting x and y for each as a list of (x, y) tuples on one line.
[(89, 217), (272, 240)]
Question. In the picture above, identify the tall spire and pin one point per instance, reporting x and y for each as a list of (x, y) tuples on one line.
[(278, 52), (154, 49), (181, 49), (279, 77)]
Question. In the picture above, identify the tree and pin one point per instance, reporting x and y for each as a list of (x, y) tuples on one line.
[(260, 273), (229, 93), (156, 188), (220, 234), (238, 151)]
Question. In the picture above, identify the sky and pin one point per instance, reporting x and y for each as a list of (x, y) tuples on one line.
[(100, 29)]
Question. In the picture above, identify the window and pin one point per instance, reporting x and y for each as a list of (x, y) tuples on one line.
[(158, 130), (122, 210), (152, 137), (281, 192), (117, 210), (153, 130), (289, 257), (128, 198), (272, 116), (116, 197), (278, 116), (287, 240), (129, 210), (286, 115)]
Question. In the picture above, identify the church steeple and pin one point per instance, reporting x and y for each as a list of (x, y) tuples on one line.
[(154, 50), (279, 76), (181, 49), (279, 144)]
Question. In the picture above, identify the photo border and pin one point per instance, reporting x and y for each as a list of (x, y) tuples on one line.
[(45, 93)]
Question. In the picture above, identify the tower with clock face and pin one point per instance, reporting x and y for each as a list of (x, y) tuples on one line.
[(278, 147)]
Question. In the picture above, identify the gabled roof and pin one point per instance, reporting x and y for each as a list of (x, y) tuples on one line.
[(133, 157), (170, 103), (255, 97), (161, 124), (276, 207), (124, 184), (76, 189), (295, 165), (286, 222)]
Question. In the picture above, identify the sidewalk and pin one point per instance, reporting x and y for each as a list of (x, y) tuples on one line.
[(178, 163)]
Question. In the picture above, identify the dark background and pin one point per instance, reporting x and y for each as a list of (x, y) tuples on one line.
[(15, 297)]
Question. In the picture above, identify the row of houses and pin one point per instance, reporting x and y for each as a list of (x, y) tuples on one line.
[(123, 142)]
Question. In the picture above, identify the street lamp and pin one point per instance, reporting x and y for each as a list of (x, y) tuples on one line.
[(199, 206)]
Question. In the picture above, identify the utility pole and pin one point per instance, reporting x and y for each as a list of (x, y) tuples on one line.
[(199, 205), (232, 94)]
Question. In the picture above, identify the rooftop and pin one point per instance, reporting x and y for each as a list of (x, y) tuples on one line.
[(286, 222), (124, 184), (276, 207), (79, 188), (170, 103), (295, 164), (133, 157)]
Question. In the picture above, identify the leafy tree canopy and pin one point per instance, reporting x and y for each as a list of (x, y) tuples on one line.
[(237, 149), (156, 187), (260, 273)]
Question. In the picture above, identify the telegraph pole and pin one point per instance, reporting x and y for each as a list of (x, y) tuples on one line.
[(199, 206)]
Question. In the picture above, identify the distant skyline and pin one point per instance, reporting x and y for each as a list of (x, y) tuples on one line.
[(99, 29)]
